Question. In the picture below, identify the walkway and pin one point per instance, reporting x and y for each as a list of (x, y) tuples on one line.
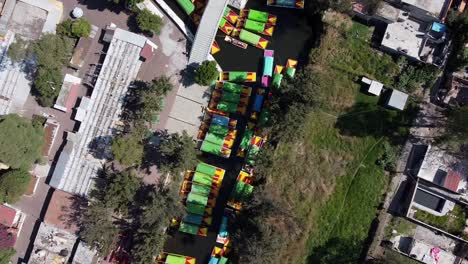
[(207, 30)]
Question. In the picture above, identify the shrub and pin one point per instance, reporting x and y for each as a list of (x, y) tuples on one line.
[(206, 73), (74, 28), (149, 22)]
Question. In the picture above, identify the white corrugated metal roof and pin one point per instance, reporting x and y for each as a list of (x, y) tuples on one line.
[(207, 31)]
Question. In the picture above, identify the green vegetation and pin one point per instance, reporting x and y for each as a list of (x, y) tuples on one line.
[(453, 222), (323, 180), (53, 52), (19, 50), (457, 132), (206, 73), (149, 22), (414, 77), (6, 255), (20, 142), (122, 204), (13, 185), (178, 154), (74, 28), (127, 150), (402, 226), (393, 257), (458, 23)]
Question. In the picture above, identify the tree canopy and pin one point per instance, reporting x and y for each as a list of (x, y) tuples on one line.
[(121, 189), (99, 230), (53, 52), (127, 150), (206, 73), (178, 153), (457, 130), (19, 50), (20, 141), (150, 237), (13, 185), (74, 28), (149, 22), (6, 255)]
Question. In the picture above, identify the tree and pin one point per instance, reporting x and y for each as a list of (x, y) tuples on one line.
[(20, 142), (120, 191), (47, 84), (13, 185), (178, 154), (127, 150), (206, 73), (74, 28), (98, 229), (150, 236), (149, 22), (19, 50), (6, 255), (161, 85), (53, 51), (457, 131)]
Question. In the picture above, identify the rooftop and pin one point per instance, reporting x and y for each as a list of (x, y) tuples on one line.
[(7, 237), (68, 93), (52, 245), (61, 211), (435, 7), (406, 36), (7, 215), (80, 163), (430, 254), (443, 169), (50, 132), (207, 30), (397, 100)]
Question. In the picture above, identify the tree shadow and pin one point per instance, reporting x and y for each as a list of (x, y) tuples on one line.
[(152, 154), (338, 251), (100, 147), (187, 76), (103, 5), (370, 119)]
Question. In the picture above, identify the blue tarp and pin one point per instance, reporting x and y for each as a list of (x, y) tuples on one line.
[(223, 229), (268, 66), (438, 27), (193, 219), (213, 260), (258, 103), (220, 120)]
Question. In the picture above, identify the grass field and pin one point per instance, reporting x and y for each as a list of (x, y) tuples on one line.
[(328, 178)]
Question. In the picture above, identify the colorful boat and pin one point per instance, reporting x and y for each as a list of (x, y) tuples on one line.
[(225, 26), (291, 66), (268, 58), (238, 76), (193, 229), (230, 15), (259, 16), (236, 42), (253, 39), (169, 258), (214, 48), (187, 6), (277, 76), (230, 97), (217, 256), (299, 4), (256, 26), (242, 190)]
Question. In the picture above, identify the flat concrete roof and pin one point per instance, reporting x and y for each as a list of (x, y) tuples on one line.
[(60, 211), (435, 7), (405, 37), (398, 100)]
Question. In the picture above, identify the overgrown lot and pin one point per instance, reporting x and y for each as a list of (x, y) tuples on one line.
[(325, 179)]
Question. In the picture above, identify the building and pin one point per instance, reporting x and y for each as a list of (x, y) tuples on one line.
[(375, 87), (51, 128), (69, 92), (397, 100), (416, 39), (428, 9), (56, 246), (11, 222), (86, 150), (62, 211), (456, 92)]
